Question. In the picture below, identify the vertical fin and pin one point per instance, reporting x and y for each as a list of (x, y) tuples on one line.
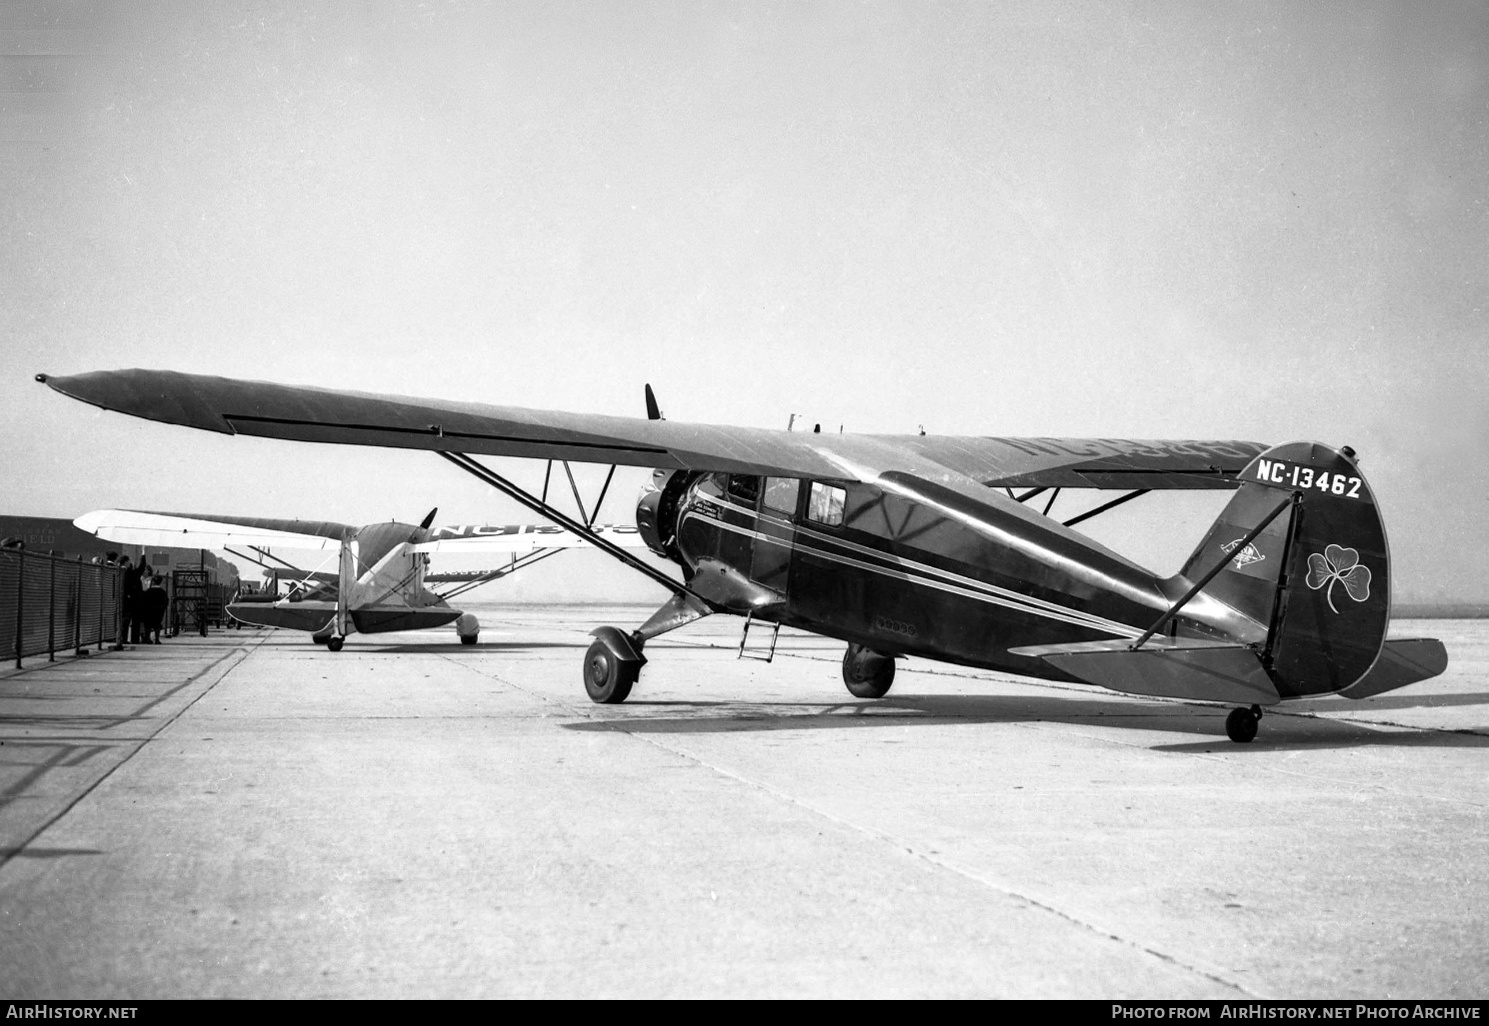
[(1318, 580)]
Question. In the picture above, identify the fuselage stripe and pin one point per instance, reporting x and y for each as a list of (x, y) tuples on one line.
[(920, 573)]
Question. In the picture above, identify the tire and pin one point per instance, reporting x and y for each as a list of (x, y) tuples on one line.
[(607, 678), (335, 642), (1240, 726), (468, 639), (867, 673)]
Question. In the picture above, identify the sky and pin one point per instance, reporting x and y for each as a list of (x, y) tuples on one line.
[(1264, 221)]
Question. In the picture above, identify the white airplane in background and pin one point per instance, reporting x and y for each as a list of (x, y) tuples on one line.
[(382, 569)]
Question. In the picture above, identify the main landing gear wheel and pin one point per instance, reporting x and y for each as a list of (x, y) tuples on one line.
[(867, 673), (467, 639), (335, 642), (1240, 725), (607, 679)]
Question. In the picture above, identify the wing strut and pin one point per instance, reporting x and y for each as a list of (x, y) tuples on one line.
[(542, 508), (1106, 506), (1292, 500), (478, 579), (301, 574)]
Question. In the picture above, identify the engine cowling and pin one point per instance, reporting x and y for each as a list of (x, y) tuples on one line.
[(656, 511)]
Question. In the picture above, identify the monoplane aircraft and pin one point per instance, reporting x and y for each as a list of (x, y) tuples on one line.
[(916, 545), (379, 584)]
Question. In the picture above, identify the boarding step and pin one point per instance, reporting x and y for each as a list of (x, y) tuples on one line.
[(755, 653)]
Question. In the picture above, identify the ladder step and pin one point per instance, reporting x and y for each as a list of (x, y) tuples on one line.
[(744, 637)]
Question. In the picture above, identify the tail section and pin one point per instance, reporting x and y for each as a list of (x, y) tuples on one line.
[(1293, 600), (1315, 583)]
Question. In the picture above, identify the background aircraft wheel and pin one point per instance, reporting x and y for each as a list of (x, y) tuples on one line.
[(1240, 725), (607, 679), (867, 673), (335, 643), (468, 639)]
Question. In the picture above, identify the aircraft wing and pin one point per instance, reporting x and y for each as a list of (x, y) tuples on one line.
[(192, 531), (303, 413), (520, 538)]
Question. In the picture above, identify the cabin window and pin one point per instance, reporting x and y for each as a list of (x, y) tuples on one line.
[(744, 488), (825, 505), (712, 485), (781, 493)]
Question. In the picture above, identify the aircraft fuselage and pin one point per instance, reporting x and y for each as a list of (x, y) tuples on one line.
[(906, 567), (386, 594)]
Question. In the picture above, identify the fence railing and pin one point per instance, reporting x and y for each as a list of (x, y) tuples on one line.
[(51, 604)]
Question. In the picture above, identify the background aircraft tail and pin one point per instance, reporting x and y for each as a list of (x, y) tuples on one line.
[(1316, 579)]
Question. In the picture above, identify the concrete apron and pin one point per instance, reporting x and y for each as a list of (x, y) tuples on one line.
[(413, 818)]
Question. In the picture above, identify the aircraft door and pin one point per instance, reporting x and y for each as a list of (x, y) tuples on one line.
[(771, 563)]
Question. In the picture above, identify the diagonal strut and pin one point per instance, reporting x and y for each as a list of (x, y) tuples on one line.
[(501, 484)]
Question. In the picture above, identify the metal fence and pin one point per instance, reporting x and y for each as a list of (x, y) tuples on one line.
[(53, 604)]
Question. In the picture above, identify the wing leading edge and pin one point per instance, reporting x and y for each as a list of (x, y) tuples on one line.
[(192, 531), (303, 413)]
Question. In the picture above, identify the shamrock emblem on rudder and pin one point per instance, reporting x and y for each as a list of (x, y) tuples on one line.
[(1339, 565)]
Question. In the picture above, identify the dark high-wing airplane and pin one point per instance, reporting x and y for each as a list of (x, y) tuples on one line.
[(918, 545)]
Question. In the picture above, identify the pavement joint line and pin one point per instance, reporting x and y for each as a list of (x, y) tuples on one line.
[(1358, 718), (945, 865), (66, 755), (1052, 725), (242, 652)]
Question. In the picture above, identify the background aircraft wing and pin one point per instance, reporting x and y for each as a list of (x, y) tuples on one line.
[(192, 531), (303, 413), (518, 539)]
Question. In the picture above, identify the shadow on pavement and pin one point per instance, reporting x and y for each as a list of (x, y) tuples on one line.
[(1277, 730)]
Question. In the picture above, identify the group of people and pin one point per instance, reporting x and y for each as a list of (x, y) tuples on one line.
[(143, 608)]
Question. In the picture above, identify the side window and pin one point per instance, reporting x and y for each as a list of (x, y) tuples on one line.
[(744, 488), (712, 485), (780, 494), (825, 505)]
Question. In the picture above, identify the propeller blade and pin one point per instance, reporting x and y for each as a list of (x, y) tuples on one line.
[(429, 519), (653, 411)]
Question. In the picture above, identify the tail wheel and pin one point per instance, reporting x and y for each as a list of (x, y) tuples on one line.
[(335, 642), (1240, 725), (867, 673), (607, 678)]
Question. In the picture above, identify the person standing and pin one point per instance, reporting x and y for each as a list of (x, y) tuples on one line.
[(155, 604), (132, 600)]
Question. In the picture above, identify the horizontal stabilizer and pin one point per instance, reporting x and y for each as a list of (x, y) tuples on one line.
[(298, 616), (1192, 668), (1402, 661)]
